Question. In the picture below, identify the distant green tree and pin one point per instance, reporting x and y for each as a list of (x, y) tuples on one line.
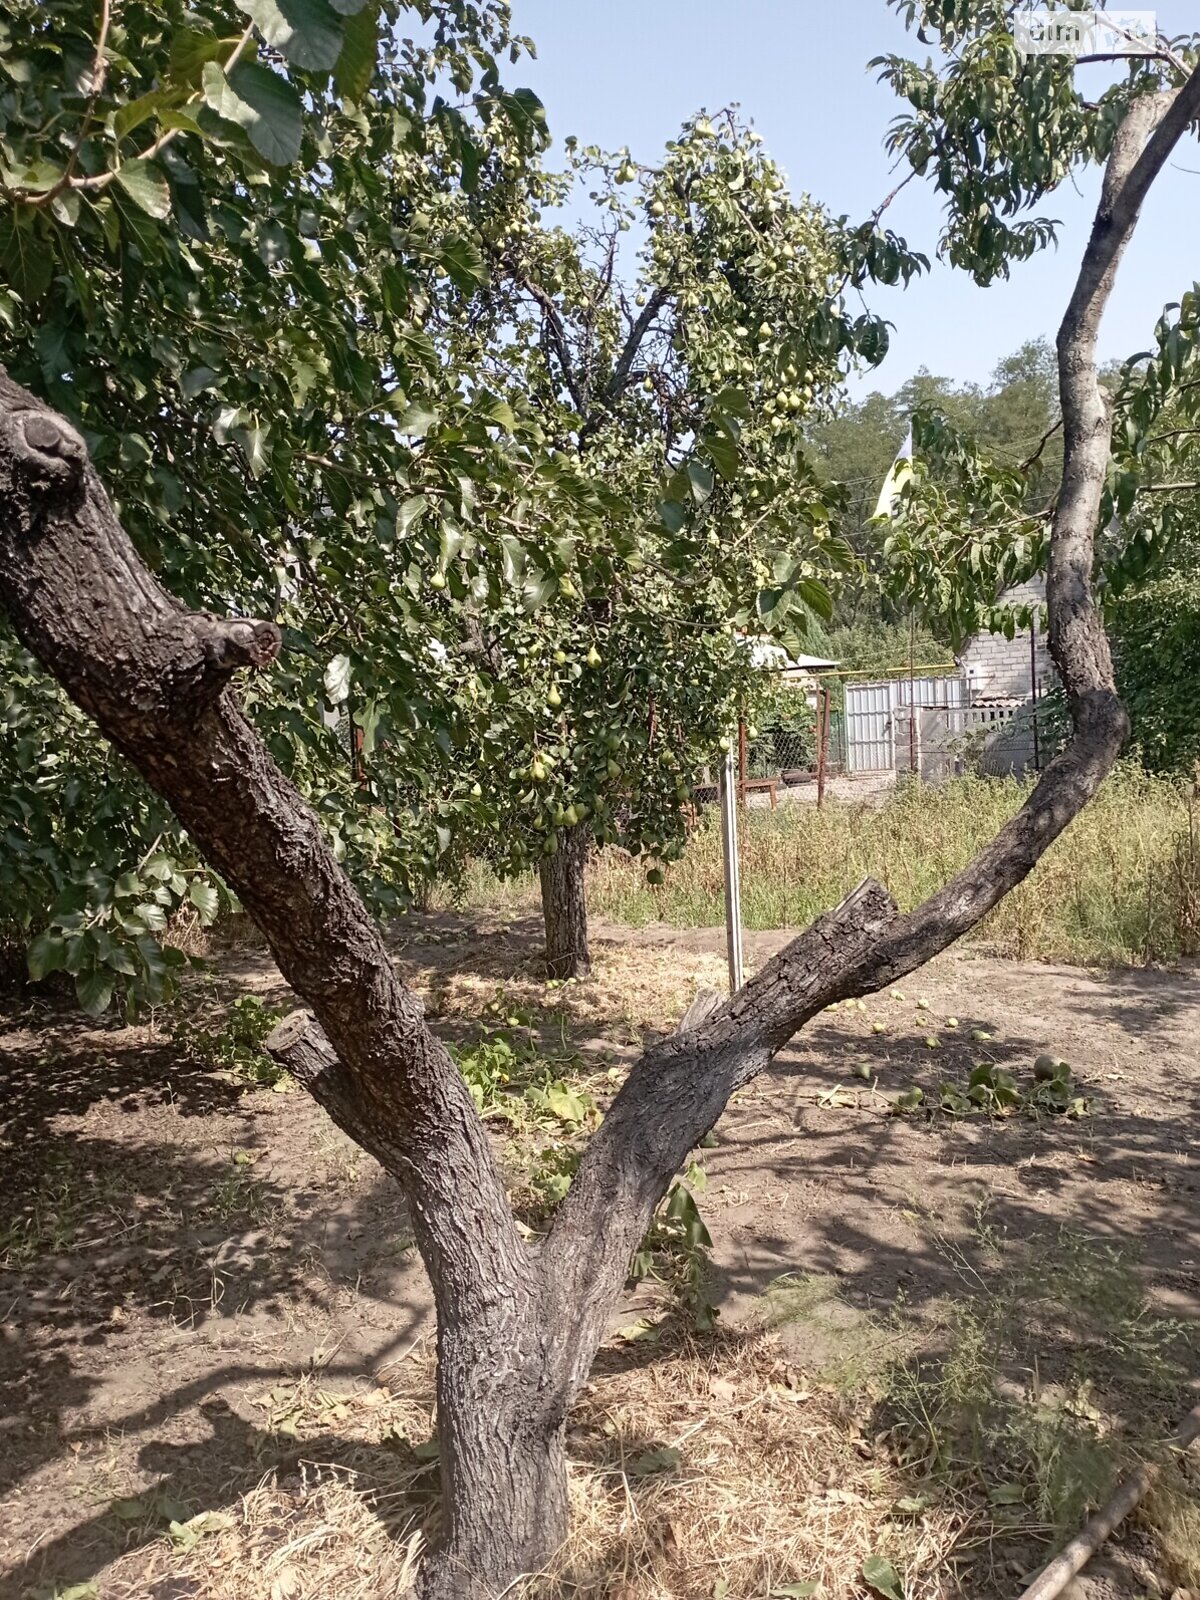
[(1156, 642), (875, 646), (1013, 417)]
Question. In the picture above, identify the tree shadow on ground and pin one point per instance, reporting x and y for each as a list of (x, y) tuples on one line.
[(167, 1233), (161, 1237)]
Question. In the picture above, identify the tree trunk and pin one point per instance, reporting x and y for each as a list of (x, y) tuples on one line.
[(504, 1484), (564, 905), (501, 1400)]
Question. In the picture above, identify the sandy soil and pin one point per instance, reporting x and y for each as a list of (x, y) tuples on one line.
[(176, 1242)]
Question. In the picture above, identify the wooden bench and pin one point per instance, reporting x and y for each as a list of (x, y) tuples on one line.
[(759, 786)]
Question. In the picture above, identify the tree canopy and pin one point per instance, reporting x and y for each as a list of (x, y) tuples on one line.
[(289, 282)]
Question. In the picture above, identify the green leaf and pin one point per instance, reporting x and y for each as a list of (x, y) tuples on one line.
[(499, 412), (797, 1591), (408, 513), (184, 1535), (46, 954), (254, 447), (672, 515), (151, 916), (564, 1103), (307, 32), (65, 207), (879, 1574), (94, 990), (1007, 1494), (147, 186), (641, 1330), (206, 901), (368, 719), (134, 112), (463, 260), (512, 558), (118, 959), (26, 260), (260, 101), (41, 177), (701, 480), (191, 49), (528, 117), (722, 451), (360, 46), (663, 1459), (816, 597), (538, 588), (197, 381), (417, 420), (130, 1509), (450, 541)]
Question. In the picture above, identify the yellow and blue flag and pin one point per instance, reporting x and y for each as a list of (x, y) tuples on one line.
[(896, 479)]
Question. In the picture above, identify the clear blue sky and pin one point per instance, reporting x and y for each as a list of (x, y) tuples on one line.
[(620, 72)]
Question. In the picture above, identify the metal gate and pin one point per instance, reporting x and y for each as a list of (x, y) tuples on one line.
[(870, 715), (873, 711)]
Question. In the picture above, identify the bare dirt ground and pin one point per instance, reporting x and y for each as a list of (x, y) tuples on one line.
[(209, 1301)]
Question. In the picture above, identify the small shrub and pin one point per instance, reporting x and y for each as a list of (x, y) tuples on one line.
[(676, 1248), (993, 1091), (237, 1048)]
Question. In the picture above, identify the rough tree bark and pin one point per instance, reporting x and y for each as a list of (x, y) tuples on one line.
[(564, 905), (517, 1331)]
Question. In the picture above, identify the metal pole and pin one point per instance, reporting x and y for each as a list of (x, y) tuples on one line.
[(912, 697), (823, 698), (1033, 686), (733, 881)]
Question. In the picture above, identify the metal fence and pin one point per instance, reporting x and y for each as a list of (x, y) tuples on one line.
[(880, 735), (923, 726), (784, 752)]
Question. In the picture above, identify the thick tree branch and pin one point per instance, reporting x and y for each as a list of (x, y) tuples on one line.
[(155, 678), (629, 351), (555, 327)]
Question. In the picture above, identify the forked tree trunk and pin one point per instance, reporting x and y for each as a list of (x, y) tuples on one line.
[(502, 1390), (517, 1330), (564, 905)]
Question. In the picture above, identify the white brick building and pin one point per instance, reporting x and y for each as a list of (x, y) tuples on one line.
[(1011, 676), (1012, 669)]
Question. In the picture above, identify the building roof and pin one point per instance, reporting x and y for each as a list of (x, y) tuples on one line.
[(775, 658), (812, 663)]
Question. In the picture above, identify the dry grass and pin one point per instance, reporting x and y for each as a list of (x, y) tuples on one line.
[(1172, 1513), (709, 1466), (320, 1533), (775, 1485), (632, 988), (700, 1467), (1119, 886), (344, 1523)]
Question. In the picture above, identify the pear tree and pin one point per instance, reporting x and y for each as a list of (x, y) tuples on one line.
[(674, 348)]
